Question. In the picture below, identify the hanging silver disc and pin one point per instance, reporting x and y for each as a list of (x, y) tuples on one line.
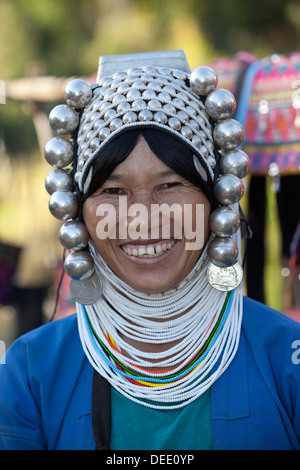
[(86, 291), (225, 279)]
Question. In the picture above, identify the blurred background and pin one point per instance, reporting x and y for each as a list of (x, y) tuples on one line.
[(44, 44)]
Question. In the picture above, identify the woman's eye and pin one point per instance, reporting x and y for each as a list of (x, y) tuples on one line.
[(113, 191), (170, 185)]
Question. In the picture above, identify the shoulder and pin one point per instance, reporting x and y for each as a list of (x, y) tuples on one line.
[(263, 323), (58, 330), (48, 380), (273, 341), (47, 346)]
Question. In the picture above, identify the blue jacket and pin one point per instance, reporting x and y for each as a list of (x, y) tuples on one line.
[(46, 387)]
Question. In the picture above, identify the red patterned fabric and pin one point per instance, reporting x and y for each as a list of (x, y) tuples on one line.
[(272, 124)]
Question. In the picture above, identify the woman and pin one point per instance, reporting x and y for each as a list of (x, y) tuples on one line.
[(164, 352)]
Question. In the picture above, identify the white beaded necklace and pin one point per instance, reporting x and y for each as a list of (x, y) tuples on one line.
[(186, 316)]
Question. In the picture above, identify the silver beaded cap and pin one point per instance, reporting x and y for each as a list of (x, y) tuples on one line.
[(160, 97)]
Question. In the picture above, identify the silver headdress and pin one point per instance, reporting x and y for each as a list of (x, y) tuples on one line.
[(188, 105)]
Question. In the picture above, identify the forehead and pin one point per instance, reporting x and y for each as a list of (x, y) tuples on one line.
[(141, 162)]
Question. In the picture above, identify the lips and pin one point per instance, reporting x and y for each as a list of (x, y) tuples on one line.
[(152, 250)]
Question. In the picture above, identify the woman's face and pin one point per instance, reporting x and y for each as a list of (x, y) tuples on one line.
[(133, 226)]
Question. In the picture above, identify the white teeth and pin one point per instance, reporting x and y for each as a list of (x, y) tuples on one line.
[(151, 251), (158, 249)]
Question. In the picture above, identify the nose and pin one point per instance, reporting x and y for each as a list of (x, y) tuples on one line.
[(135, 216), (144, 218)]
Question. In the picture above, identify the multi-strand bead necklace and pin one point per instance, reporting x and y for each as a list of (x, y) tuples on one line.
[(198, 327)]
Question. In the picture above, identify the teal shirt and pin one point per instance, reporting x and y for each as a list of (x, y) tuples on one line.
[(137, 427)]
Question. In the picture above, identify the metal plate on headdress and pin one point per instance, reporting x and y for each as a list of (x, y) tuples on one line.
[(86, 291), (174, 59), (225, 279)]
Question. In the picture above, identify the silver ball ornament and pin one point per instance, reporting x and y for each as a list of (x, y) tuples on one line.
[(203, 80), (63, 119), (79, 265), (73, 235), (224, 221), (228, 134), (59, 152), (78, 93), (63, 205), (220, 104), (228, 189), (222, 252), (235, 162), (58, 180)]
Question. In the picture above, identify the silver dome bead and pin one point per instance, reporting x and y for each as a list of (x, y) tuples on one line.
[(191, 110), (175, 124), (138, 85), (94, 143), (104, 133), (169, 108), (73, 235), (59, 152), (235, 162), (170, 89), (97, 124), (58, 180), (109, 114), (194, 124), (108, 95), (186, 132), (204, 151), (145, 115), (183, 116), (228, 189), (222, 252), (154, 104), (123, 88), (149, 95), (203, 80), (139, 103), (161, 117), (228, 134), (196, 141), (86, 154), (220, 104), (104, 106), (63, 205), (224, 221), (211, 161), (115, 124), (178, 102), (78, 93), (164, 96), (130, 117), (79, 265), (133, 94), (123, 107), (117, 99), (63, 119)]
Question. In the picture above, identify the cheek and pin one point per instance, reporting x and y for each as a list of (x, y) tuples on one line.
[(89, 216)]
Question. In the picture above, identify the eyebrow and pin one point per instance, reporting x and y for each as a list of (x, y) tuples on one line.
[(160, 174)]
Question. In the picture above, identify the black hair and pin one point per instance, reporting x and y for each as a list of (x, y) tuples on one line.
[(169, 149)]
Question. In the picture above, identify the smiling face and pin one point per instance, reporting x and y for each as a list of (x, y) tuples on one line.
[(149, 263)]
